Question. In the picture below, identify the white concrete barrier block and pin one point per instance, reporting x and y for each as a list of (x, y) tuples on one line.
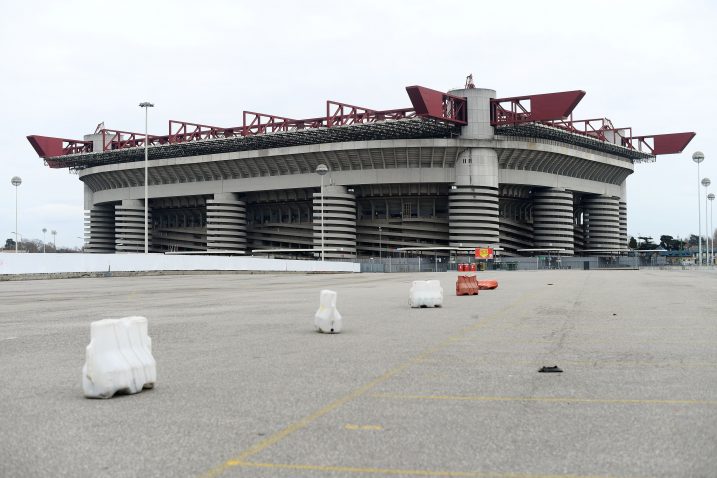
[(426, 293), (118, 358), (327, 318)]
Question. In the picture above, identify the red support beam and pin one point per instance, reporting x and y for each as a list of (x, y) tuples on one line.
[(49, 147), (435, 104), (527, 109), (115, 139), (658, 144), (598, 128), (184, 131), (260, 123), (340, 114)]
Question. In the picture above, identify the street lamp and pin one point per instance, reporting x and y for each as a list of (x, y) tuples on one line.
[(706, 182), (380, 243), (54, 239), (711, 197), (146, 105), (16, 181), (321, 170), (44, 230), (698, 157)]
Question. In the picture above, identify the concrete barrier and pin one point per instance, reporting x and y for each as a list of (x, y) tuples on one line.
[(467, 285), (119, 358), (425, 293), (487, 284), (327, 318)]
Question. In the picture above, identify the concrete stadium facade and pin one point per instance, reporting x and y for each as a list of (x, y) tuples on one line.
[(469, 187)]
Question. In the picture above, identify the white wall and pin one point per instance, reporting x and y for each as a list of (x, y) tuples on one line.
[(11, 263)]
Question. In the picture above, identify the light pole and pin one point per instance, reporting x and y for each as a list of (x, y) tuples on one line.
[(16, 181), (146, 105), (54, 239), (698, 157), (44, 230), (706, 182), (711, 197), (380, 244), (321, 170)]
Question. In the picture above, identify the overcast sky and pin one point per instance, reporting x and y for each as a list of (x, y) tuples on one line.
[(67, 66)]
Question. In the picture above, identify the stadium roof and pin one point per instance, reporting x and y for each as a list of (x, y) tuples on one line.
[(434, 114)]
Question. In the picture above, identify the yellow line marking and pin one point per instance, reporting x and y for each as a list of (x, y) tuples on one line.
[(351, 426), (304, 422), (478, 398), (398, 471)]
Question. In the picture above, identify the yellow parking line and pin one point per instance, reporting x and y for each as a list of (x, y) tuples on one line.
[(405, 472), (304, 422), (351, 426), (479, 398)]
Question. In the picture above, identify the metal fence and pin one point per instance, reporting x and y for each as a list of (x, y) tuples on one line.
[(441, 264), (405, 264)]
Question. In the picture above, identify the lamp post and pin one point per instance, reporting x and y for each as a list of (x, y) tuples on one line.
[(146, 105), (380, 244), (44, 230), (706, 182), (16, 181), (711, 197), (321, 170), (698, 157), (54, 239)]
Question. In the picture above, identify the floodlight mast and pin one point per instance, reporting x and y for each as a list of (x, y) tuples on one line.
[(16, 181), (146, 105), (321, 170), (706, 182), (711, 198), (698, 157)]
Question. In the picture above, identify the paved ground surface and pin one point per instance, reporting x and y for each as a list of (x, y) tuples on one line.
[(247, 389)]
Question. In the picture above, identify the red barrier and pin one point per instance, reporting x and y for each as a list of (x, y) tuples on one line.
[(473, 267), (466, 285), (487, 284)]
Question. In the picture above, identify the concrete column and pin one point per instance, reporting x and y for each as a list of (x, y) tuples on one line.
[(624, 240), (339, 221), (129, 226), (602, 222), (553, 219), (100, 229), (226, 223), (623, 215), (473, 200)]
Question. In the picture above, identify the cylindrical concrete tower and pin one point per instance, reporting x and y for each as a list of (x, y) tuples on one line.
[(339, 213), (226, 223), (129, 226), (623, 216), (602, 222), (473, 200), (100, 230), (553, 219)]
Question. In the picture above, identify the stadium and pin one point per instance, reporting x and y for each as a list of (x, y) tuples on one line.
[(454, 170)]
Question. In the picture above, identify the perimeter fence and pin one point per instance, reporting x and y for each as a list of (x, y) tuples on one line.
[(442, 264)]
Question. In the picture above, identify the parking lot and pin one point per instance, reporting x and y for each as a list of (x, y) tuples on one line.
[(246, 388)]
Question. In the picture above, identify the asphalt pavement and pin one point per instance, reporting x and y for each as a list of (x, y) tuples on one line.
[(246, 388)]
